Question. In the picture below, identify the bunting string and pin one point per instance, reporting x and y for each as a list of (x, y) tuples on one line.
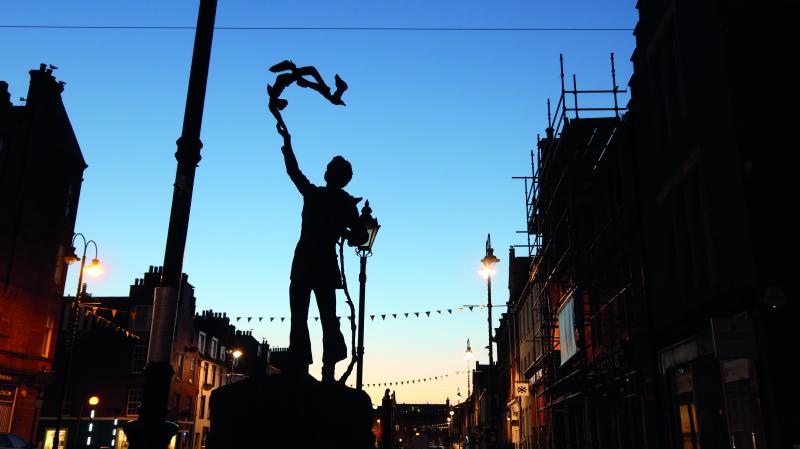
[(381, 316), (89, 310), (414, 381)]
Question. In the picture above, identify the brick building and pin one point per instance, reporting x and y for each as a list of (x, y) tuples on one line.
[(41, 171), (108, 360)]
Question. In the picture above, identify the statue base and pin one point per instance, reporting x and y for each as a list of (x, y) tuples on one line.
[(282, 411)]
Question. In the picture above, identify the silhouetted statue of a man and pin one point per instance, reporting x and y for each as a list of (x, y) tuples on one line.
[(329, 214)]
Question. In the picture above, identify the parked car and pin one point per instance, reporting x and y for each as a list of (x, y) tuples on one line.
[(12, 441)]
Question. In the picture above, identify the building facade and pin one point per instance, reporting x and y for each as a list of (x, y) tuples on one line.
[(214, 334), (657, 307), (107, 362), (715, 175), (41, 171)]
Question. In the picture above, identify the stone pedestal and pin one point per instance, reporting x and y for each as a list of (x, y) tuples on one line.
[(282, 411)]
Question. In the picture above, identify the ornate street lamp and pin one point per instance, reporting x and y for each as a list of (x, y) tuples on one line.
[(364, 251), (468, 354), (93, 270), (487, 271)]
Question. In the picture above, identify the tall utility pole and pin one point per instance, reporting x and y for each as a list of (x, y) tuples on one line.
[(151, 430)]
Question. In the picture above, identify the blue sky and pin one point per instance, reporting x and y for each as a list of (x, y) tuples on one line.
[(436, 125)]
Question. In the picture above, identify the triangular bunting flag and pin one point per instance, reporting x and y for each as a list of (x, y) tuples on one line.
[(283, 318), (339, 318), (249, 318), (272, 318), (260, 318), (113, 313), (439, 312), (94, 310), (133, 315), (470, 308), (406, 314), (394, 315), (416, 313), (450, 311), (428, 313), (238, 318), (383, 317), (372, 317), (316, 318)]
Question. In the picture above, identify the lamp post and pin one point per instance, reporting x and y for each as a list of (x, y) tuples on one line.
[(152, 430), (468, 354), (236, 353), (364, 251), (487, 271), (93, 270)]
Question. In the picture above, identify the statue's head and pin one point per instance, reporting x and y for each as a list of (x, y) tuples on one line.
[(339, 172)]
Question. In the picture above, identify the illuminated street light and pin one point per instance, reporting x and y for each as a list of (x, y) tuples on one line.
[(93, 270), (487, 271), (468, 354), (94, 400)]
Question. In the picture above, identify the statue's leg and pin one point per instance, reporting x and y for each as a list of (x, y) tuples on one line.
[(334, 348), (299, 341)]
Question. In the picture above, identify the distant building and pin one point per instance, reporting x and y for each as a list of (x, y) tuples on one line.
[(415, 425), (214, 333), (41, 171), (108, 360)]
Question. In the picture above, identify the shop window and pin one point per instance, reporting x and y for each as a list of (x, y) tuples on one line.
[(139, 358), (201, 343), (192, 362), (134, 400), (48, 335), (214, 346), (179, 366)]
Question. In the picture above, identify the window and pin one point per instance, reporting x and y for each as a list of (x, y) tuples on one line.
[(214, 346), (213, 375), (201, 343), (222, 353), (221, 374), (48, 334), (188, 406), (201, 407), (179, 366), (205, 373), (191, 369), (134, 400), (140, 318), (139, 358), (177, 404), (205, 437)]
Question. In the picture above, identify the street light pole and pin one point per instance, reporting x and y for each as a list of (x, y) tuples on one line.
[(488, 271), (94, 270), (151, 430), (364, 251)]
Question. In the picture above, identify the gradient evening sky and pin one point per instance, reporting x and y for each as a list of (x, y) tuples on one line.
[(436, 125)]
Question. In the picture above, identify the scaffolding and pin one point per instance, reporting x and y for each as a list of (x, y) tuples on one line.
[(575, 141)]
